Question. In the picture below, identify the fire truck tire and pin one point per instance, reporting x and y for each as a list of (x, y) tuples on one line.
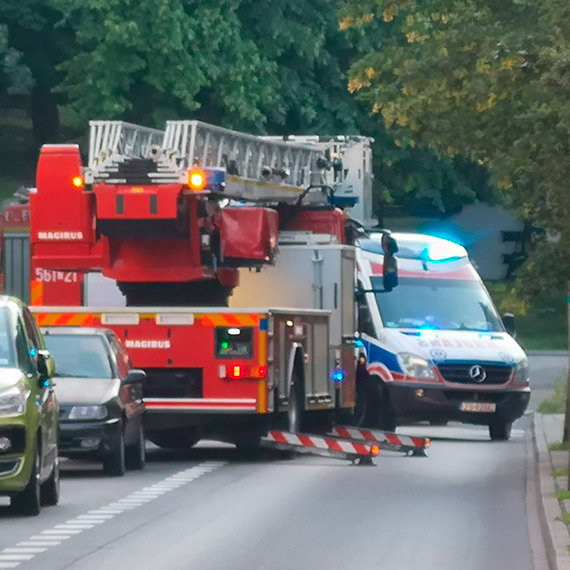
[(114, 461), (294, 408), (136, 454), (174, 439)]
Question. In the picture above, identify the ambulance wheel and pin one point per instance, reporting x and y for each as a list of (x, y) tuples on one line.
[(379, 412), (174, 438), (500, 430), (294, 408)]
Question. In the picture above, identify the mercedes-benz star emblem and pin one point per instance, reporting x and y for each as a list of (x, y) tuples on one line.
[(477, 373)]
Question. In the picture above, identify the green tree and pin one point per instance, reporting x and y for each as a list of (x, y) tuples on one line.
[(484, 80)]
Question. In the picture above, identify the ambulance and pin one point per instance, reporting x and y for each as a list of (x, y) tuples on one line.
[(432, 345)]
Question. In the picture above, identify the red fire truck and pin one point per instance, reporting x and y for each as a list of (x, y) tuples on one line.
[(150, 240)]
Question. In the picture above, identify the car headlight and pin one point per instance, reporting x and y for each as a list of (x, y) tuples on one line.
[(87, 413), (416, 366), (13, 400), (522, 372)]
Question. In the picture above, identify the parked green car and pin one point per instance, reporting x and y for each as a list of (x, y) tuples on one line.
[(29, 412)]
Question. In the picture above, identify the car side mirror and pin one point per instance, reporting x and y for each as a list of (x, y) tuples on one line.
[(134, 376), (509, 322), (46, 364)]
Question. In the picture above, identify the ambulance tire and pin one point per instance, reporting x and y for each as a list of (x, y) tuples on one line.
[(174, 438), (500, 430), (379, 411)]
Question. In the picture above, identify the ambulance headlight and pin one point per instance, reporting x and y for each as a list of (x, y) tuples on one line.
[(416, 366), (522, 375)]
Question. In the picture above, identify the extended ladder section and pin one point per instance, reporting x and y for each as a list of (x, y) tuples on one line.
[(241, 166)]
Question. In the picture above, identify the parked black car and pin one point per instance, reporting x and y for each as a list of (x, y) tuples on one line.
[(100, 396)]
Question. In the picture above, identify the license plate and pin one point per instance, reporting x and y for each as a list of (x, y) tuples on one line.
[(477, 407)]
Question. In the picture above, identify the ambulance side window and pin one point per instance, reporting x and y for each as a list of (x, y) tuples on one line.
[(365, 323)]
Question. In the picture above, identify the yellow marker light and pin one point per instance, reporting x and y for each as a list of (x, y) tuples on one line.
[(77, 182), (197, 180)]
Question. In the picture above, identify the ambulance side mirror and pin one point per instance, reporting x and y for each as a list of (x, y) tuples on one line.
[(390, 267), (509, 322)]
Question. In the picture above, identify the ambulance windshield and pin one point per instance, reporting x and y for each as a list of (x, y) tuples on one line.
[(440, 304)]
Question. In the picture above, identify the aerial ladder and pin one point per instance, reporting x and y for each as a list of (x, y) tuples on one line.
[(169, 207)]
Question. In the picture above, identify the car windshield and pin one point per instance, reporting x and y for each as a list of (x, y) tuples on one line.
[(7, 347), (442, 304), (79, 356)]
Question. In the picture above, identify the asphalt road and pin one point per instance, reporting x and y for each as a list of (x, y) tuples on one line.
[(463, 506)]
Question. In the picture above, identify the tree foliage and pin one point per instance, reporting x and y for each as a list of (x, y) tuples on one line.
[(484, 80), (267, 67)]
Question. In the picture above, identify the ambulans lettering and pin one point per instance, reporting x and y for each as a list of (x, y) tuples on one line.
[(147, 343), (60, 235), (455, 343)]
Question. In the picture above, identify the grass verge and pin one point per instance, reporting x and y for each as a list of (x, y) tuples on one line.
[(558, 447), (562, 495), (555, 404)]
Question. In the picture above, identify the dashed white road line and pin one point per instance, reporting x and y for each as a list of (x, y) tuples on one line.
[(26, 550)]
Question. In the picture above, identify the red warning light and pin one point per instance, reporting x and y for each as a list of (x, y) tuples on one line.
[(77, 181), (374, 450), (262, 371)]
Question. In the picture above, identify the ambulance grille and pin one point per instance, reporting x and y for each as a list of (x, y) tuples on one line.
[(173, 383), (460, 373)]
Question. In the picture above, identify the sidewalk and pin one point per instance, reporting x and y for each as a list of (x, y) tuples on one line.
[(553, 505)]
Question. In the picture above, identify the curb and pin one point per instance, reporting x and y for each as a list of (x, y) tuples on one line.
[(555, 533)]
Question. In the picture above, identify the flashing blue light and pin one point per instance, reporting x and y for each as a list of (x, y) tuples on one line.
[(338, 376), (46, 383), (358, 343), (215, 179), (486, 336), (33, 352), (443, 250)]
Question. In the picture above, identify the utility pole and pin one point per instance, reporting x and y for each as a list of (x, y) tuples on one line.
[(567, 415)]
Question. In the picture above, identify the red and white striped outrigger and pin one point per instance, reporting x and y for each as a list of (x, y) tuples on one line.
[(385, 440), (348, 443), (328, 446)]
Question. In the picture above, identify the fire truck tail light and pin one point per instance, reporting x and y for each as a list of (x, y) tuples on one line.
[(120, 319), (262, 371), (77, 181)]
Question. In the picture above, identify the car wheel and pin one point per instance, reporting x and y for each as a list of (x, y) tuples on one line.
[(500, 430), (136, 454), (50, 489), (114, 461), (28, 502)]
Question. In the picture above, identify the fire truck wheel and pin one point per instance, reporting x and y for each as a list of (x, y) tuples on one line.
[(136, 454), (294, 407), (174, 439), (114, 461)]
